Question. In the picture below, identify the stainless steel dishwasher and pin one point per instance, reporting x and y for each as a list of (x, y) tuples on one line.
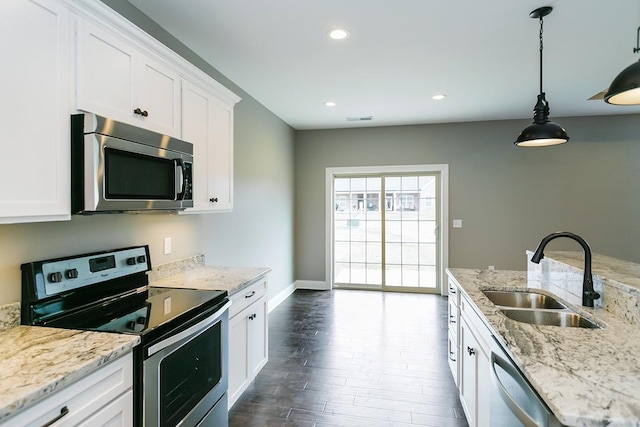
[(513, 401)]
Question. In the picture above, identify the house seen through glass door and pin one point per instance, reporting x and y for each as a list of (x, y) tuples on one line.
[(385, 232)]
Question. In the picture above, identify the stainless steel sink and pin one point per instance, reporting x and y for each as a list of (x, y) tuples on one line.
[(526, 299), (553, 318)]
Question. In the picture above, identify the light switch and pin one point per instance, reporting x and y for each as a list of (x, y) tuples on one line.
[(167, 245), (457, 223), (167, 305)]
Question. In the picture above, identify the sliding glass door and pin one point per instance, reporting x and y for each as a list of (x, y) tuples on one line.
[(386, 231)]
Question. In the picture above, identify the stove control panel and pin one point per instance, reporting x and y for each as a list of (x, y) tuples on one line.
[(72, 273)]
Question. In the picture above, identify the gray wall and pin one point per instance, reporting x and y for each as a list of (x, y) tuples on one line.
[(259, 231), (264, 147), (507, 197)]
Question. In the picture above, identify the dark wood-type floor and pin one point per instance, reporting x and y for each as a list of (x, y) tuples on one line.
[(354, 358)]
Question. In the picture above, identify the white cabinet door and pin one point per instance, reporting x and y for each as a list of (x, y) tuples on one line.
[(117, 81), (475, 382), (257, 353), (238, 350), (221, 157), (106, 67), (468, 372), (208, 124), (249, 339), (158, 96), (34, 135)]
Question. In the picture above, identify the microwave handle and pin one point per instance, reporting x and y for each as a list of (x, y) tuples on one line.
[(180, 179)]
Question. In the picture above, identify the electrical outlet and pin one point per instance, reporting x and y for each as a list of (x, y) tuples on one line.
[(167, 245), (457, 223)]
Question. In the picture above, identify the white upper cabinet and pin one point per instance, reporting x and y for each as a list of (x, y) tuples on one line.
[(117, 81), (34, 135), (207, 122), (65, 56)]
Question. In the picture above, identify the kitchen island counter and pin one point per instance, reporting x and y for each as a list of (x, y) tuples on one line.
[(588, 377)]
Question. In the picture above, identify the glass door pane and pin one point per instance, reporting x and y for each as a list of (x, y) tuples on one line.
[(357, 232), (411, 231)]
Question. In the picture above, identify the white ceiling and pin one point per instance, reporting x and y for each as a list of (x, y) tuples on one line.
[(482, 54)]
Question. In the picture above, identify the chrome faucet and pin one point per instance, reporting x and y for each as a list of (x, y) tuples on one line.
[(588, 294)]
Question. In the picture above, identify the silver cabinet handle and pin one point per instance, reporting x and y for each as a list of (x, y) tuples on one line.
[(63, 411), (520, 413)]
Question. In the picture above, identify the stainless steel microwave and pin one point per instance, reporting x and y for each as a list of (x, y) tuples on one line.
[(116, 167)]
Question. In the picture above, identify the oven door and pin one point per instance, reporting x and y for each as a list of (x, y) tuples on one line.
[(185, 375)]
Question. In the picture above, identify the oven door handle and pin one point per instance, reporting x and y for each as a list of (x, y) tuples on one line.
[(517, 410), (191, 331)]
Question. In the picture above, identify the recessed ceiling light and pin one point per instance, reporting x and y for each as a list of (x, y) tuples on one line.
[(439, 96), (330, 104), (338, 33)]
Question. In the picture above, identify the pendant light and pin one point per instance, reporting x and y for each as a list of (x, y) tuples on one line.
[(625, 88), (542, 132)]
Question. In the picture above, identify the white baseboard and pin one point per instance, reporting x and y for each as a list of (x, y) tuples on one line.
[(315, 285), (282, 295)]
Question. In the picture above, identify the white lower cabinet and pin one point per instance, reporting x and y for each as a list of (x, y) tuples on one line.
[(474, 380), (248, 337), (102, 398)]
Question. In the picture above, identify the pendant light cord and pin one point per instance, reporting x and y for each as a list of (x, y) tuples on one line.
[(541, 47)]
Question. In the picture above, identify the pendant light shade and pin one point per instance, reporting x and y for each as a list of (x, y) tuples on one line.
[(542, 132), (625, 88)]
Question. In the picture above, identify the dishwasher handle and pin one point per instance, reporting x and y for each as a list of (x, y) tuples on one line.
[(517, 410)]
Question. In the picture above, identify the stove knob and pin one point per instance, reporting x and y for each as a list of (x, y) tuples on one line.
[(71, 274), (141, 320), (131, 325), (142, 259), (55, 277), (131, 261)]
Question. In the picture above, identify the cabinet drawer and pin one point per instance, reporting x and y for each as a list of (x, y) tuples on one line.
[(247, 296), (82, 398)]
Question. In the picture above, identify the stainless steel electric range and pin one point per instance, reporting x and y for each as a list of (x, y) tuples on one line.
[(181, 365)]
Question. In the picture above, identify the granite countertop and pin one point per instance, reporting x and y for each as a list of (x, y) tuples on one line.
[(37, 361), (588, 377), (230, 279)]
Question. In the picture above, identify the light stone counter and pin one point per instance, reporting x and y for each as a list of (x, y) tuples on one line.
[(588, 377), (37, 361), (191, 273)]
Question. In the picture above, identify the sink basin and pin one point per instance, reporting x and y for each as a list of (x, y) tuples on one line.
[(527, 299), (552, 318)]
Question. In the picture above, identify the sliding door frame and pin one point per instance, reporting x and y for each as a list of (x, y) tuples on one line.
[(441, 169)]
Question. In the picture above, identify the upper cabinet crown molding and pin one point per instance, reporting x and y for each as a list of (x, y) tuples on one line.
[(99, 13)]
